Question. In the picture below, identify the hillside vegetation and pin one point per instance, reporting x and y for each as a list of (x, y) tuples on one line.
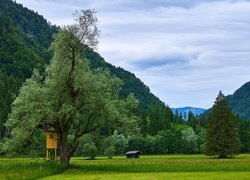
[(240, 101)]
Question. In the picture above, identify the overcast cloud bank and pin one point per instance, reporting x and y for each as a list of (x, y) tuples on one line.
[(185, 51)]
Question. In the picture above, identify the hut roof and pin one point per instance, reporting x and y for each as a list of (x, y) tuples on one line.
[(133, 152)]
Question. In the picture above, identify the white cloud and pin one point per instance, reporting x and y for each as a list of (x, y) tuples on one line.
[(185, 51)]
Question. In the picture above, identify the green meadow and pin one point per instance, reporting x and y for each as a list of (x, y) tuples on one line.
[(146, 167), (28, 168)]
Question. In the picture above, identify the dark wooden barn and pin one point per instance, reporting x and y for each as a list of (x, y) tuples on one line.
[(133, 154)]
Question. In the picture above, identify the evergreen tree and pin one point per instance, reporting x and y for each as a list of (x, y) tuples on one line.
[(180, 119), (222, 132), (244, 131), (177, 118), (192, 122)]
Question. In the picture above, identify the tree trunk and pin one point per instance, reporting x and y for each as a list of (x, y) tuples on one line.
[(74, 146), (64, 154)]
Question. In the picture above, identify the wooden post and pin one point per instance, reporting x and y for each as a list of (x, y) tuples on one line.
[(55, 154), (47, 154)]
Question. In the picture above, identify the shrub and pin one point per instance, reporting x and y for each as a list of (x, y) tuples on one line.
[(89, 150)]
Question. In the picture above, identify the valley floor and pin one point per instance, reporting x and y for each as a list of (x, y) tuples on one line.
[(75, 174), (147, 167)]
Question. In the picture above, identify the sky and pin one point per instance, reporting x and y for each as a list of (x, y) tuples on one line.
[(185, 51)]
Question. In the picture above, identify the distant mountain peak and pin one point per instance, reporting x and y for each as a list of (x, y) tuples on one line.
[(185, 110)]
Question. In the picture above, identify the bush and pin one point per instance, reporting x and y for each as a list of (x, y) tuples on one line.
[(89, 150)]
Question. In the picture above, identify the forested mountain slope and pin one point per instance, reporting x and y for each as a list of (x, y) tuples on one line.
[(29, 22), (240, 101), (17, 61)]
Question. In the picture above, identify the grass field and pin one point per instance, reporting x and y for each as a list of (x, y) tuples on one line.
[(146, 167), (28, 168)]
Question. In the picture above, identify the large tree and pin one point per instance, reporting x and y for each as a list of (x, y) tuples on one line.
[(69, 97), (222, 131)]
